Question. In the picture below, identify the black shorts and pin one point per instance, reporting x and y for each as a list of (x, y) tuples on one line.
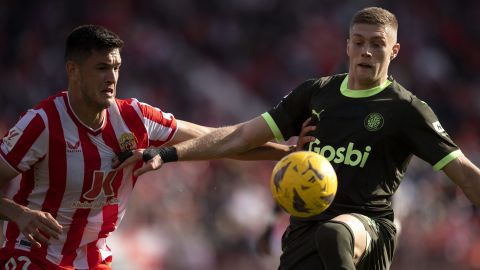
[(299, 243)]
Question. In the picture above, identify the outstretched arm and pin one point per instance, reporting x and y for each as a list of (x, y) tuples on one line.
[(467, 176), (222, 142), (267, 151)]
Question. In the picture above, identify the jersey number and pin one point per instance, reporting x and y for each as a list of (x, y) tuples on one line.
[(12, 263)]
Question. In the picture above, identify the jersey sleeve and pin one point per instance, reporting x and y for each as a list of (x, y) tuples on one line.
[(26, 143), (286, 118), (426, 136), (161, 126)]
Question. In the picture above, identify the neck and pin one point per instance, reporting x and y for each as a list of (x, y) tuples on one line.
[(88, 115), (356, 84)]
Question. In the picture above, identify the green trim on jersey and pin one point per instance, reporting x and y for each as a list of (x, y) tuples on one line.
[(444, 161), (273, 126), (362, 93)]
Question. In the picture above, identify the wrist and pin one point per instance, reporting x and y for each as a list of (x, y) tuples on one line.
[(167, 154), (11, 210)]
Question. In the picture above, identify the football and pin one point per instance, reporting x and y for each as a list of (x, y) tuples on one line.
[(303, 183)]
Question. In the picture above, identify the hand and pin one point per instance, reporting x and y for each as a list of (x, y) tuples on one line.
[(303, 138), (136, 156), (38, 226)]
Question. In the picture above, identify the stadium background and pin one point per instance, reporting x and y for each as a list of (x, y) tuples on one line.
[(216, 62)]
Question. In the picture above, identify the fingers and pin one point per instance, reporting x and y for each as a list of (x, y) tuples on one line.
[(32, 240), (303, 138), (134, 158), (306, 122), (153, 164)]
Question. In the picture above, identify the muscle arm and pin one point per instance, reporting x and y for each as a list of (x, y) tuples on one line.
[(268, 151), (228, 141), (467, 176)]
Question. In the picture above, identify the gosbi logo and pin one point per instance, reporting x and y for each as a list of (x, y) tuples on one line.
[(102, 183), (346, 155)]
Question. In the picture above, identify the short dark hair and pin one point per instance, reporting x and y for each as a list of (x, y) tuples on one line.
[(375, 16), (83, 40)]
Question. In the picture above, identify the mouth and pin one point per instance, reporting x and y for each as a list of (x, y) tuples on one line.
[(108, 91), (365, 65)]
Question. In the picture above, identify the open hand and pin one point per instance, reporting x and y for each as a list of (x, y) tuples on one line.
[(38, 226)]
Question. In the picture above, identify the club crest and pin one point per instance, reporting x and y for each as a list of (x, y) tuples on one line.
[(127, 142), (373, 122)]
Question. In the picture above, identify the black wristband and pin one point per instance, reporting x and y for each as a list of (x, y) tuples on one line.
[(124, 155), (168, 154)]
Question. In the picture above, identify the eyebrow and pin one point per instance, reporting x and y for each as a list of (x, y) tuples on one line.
[(374, 37)]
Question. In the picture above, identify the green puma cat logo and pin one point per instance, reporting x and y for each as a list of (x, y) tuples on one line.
[(317, 114)]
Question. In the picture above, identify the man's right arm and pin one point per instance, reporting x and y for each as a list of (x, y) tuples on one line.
[(33, 224), (7, 207)]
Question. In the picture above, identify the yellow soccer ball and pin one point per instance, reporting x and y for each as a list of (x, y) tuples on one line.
[(303, 183)]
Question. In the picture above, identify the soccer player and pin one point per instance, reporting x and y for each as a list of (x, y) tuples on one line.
[(368, 126), (70, 199)]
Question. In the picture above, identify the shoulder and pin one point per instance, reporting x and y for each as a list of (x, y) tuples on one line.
[(322, 82)]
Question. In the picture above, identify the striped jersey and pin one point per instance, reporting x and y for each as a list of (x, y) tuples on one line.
[(66, 170)]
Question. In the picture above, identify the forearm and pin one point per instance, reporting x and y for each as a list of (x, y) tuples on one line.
[(10, 210), (268, 151), (223, 142), (467, 176)]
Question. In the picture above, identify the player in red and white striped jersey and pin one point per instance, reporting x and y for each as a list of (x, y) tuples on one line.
[(70, 199)]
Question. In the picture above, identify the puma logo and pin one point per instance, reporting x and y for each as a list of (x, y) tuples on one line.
[(317, 114)]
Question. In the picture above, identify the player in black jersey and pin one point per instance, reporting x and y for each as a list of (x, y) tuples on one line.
[(369, 127)]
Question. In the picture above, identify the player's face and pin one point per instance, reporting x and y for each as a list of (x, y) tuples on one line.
[(370, 48), (98, 76)]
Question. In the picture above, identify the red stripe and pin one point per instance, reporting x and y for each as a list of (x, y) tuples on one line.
[(134, 122), (57, 165), (93, 255), (26, 187), (110, 212), (29, 136), (92, 162)]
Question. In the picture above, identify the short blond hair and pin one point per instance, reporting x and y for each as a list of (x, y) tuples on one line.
[(375, 16)]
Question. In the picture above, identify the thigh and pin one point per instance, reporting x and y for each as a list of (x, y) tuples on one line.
[(360, 234), (379, 253)]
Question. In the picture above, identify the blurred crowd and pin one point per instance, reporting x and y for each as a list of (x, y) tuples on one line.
[(215, 62)]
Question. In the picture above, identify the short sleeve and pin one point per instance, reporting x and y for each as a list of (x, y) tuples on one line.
[(161, 126), (426, 136), (286, 118), (25, 143)]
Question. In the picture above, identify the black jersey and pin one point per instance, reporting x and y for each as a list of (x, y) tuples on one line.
[(369, 136)]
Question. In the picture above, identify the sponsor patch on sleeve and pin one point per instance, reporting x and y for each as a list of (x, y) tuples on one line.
[(11, 139), (439, 129)]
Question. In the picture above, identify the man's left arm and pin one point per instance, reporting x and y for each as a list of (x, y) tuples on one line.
[(467, 176)]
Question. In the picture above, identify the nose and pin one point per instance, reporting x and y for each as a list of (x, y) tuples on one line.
[(111, 76), (366, 51)]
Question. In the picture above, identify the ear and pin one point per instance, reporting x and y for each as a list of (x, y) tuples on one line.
[(72, 69), (395, 51), (348, 46)]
